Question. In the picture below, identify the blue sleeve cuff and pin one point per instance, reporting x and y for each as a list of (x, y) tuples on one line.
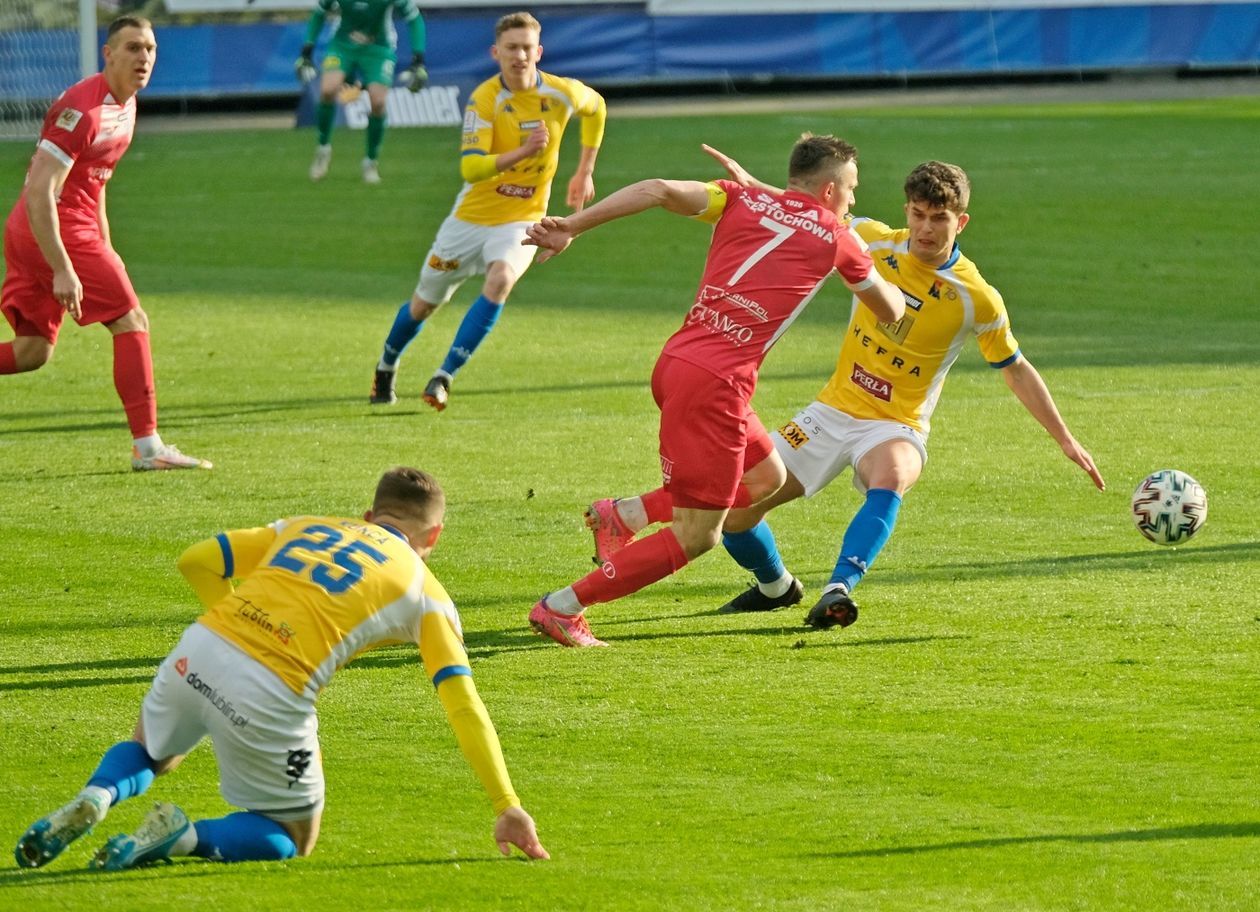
[(472, 152), (229, 565), (1007, 363), (451, 671)]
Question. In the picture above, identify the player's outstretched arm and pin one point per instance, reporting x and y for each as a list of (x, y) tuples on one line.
[(554, 234), (514, 827), (1028, 386), (737, 171)]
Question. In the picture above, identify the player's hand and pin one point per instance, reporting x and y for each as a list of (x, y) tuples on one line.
[(581, 191), (552, 236), (536, 141), (516, 828), (415, 77), (304, 66), (68, 291), (733, 168), (1079, 455)]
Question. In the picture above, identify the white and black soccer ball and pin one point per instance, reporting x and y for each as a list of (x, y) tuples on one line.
[(1169, 507)]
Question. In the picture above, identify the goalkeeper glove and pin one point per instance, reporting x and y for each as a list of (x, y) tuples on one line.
[(304, 68), (416, 77)]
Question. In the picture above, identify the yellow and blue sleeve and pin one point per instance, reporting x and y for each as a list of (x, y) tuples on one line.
[(446, 663), (210, 565)]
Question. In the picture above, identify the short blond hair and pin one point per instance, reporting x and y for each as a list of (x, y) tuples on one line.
[(514, 21)]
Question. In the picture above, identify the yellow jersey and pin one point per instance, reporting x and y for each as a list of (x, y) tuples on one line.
[(498, 120), (895, 371), (315, 591)]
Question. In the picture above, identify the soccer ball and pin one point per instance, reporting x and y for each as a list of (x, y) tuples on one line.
[(1169, 506)]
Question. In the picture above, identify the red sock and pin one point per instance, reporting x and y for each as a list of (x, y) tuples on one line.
[(8, 361), (133, 378), (638, 564), (659, 506)]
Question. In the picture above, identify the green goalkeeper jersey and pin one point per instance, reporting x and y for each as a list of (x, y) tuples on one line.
[(369, 22)]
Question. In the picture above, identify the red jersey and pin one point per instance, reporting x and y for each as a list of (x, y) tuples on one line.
[(769, 256), (89, 131)]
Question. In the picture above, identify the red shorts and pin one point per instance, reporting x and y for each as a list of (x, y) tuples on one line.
[(710, 436), (27, 297)]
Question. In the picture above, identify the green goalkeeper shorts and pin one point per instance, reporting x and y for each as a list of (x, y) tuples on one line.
[(372, 63)]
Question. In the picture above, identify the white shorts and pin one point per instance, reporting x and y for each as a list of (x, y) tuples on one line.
[(821, 442), (265, 736), (462, 249)]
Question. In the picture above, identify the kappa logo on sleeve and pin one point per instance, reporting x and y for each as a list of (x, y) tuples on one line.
[(68, 119)]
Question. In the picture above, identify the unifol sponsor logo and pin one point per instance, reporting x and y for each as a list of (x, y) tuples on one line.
[(100, 174), (717, 322), (714, 293), (516, 191), (876, 386), (220, 702), (432, 106)]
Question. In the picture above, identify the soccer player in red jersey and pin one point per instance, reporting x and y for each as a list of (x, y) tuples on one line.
[(57, 251), (770, 253)]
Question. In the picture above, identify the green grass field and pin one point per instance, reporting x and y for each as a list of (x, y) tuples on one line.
[(1037, 710)]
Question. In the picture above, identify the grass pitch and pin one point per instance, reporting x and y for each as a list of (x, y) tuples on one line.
[(1037, 709)]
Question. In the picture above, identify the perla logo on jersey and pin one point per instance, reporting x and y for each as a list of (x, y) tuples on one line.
[(876, 386)]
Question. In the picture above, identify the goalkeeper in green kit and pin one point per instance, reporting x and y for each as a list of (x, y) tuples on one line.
[(362, 49)]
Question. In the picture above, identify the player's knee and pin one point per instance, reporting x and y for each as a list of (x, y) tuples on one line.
[(697, 541), (29, 356), (422, 309)]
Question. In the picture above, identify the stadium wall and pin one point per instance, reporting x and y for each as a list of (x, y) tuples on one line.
[(627, 44)]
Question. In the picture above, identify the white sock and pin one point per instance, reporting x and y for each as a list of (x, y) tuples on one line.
[(148, 446), (185, 844), (778, 587), (632, 512), (382, 366), (99, 797), (564, 601)]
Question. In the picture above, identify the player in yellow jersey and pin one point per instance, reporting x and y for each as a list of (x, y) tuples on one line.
[(313, 592), (510, 150), (873, 414)]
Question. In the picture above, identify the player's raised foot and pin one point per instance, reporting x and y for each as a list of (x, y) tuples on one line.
[(371, 174), (437, 391), (753, 599), (567, 630), (319, 165), (150, 843), (611, 533), (48, 837), (383, 388), (166, 457), (834, 609)]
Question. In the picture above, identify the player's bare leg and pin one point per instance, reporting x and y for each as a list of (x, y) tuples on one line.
[(24, 353)]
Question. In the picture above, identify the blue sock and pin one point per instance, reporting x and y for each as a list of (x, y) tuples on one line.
[(866, 536), (476, 325), (755, 550), (405, 329), (244, 836), (126, 770)]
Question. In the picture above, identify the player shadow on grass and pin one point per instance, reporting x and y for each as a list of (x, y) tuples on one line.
[(1190, 831), (146, 664), (1141, 561)]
